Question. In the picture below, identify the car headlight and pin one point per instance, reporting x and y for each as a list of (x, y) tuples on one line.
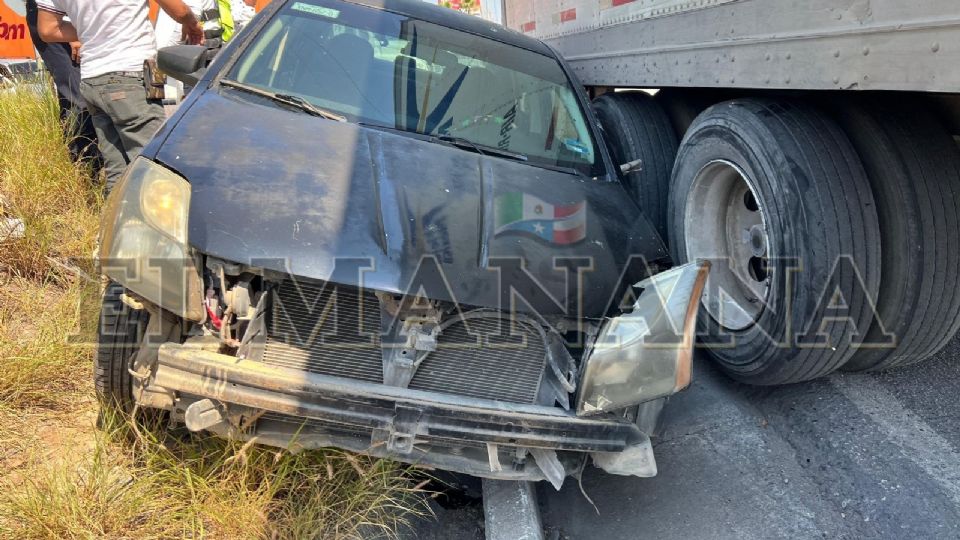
[(645, 354), (165, 200), (144, 239)]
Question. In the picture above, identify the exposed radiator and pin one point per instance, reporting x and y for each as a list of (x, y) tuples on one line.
[(309, 331), (484, 364)]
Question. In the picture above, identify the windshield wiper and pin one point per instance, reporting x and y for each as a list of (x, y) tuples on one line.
[(306, 106), (481, 149), (286, 99)]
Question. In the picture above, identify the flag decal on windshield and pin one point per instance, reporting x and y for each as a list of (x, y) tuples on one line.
[(525, 214)]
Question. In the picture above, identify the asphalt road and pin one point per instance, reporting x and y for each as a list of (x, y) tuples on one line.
[(849, 456)]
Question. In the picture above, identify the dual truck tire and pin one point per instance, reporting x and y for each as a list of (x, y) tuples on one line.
[(833, 228)]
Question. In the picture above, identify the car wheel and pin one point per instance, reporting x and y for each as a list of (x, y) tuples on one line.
[(119, 337), (914, 170), (636, 127), (774, 194)]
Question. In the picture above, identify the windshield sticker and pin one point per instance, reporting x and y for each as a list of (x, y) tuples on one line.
[(525, 214), (576, 146), (316, 10)]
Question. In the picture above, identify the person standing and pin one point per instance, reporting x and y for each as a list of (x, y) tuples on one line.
[(117, 38), (63, 62), (234, 15), (169, 32), (243, 12)]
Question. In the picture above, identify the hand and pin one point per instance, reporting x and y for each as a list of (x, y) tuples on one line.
[(75, 52), (193, 34)]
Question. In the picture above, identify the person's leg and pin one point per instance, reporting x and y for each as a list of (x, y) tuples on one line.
[(77, 127), (56, 58), (108, 138), (86, 140), (134, 117)]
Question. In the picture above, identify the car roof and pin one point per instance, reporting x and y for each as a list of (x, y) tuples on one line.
[(451, 18)]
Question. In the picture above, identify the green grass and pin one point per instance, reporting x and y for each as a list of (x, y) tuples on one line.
[(56, 198), (46, 336), (46, 308), (60, 476), (144, 482)]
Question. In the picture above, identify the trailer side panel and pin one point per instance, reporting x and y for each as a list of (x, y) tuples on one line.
[(783, 44)]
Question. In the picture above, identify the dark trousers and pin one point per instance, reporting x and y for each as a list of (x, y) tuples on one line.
[(125, 120), (77, 122)]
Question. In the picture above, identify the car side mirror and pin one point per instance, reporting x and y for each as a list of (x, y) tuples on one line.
[(186, 63)]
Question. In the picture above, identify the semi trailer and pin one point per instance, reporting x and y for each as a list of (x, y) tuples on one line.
[(808, 148)]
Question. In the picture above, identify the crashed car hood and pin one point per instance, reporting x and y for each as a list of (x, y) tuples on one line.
[(280, 189)]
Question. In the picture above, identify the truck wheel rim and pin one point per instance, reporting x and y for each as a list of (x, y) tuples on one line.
[(724, 222)]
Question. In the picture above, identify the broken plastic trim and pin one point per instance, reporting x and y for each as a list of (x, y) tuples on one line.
[(366, 406)]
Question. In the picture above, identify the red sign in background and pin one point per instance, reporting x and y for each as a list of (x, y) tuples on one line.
[(14, 37)]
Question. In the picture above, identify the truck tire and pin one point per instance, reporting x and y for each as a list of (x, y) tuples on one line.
[(119, 336), (683, 105), (913, 166), (636, 127), (774, 193)]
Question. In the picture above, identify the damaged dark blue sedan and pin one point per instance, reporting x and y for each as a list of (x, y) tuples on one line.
[(388, 227)]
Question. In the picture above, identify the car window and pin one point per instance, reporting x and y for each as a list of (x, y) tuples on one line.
[(385, 69)]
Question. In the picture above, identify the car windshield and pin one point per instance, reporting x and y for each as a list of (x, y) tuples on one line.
[(384, 69)]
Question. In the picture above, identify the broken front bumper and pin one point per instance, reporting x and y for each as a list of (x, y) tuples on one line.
[(307, 410), (636, 358)]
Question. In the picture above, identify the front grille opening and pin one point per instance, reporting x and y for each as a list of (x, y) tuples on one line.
[(335, 331)]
